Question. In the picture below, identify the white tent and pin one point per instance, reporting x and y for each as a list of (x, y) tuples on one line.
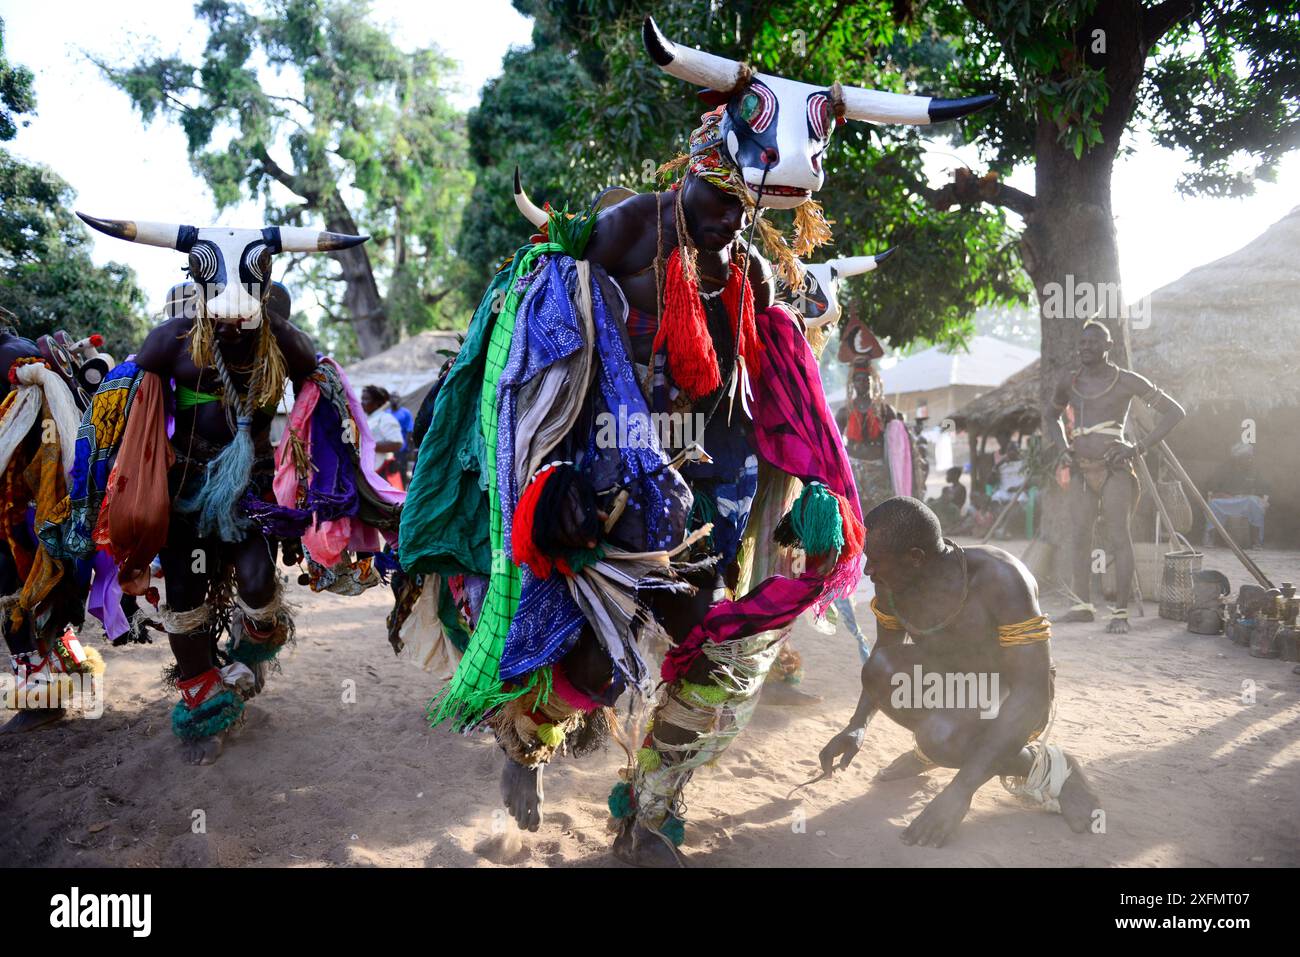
[(939, 382), (989, 363)]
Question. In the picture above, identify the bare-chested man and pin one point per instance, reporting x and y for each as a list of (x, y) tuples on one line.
[(982, 656), (1101, 462)]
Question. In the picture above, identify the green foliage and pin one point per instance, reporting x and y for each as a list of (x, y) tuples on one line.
[(47, 278), (313, 109), (610, 117), (16, 94)]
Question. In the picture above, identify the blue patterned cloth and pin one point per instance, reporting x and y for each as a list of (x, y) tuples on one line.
[(547, 620), (546, 331), (545, 626), (95, 449)]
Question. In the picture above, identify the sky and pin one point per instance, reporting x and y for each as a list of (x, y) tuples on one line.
[(88, 133)]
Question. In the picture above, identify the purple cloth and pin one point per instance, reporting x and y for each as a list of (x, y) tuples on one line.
[(105, 601)]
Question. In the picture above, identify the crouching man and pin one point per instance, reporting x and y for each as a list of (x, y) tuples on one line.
[(974, 686)]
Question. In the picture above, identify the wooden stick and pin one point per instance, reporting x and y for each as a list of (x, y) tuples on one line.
[(1209, 513)]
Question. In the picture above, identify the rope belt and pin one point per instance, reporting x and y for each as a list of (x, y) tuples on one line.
[(1110, 427)]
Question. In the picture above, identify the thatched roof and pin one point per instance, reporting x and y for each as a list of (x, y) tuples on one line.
[(1227, 331), (1011, 407), (406, 368)]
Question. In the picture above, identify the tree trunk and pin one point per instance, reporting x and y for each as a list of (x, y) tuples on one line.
[(365, 307), (1069, 245)]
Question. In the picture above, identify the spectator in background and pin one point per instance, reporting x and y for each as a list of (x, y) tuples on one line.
[(407, 422), (951, 501), (387, 432)]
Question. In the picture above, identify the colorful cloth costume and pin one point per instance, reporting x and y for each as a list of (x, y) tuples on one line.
[(545, 321)]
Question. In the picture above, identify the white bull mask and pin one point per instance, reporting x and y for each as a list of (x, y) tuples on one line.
[(230, 268), (784, 126), (818, 297)]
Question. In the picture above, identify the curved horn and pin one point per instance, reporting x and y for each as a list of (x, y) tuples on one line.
[(301, 239), (531, 213), (876, 106), (687, 63), (857, 265), (166, 235)]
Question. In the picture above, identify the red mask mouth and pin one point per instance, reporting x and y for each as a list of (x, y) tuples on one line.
[(774, 190)]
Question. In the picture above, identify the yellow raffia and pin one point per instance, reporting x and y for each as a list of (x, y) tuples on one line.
[(269, 370), (886, 620), (1025, 632)]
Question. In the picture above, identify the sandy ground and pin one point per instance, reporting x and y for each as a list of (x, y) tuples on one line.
[(1189, 774)]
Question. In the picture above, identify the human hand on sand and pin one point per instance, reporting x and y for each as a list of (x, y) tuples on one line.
[(844, 746)]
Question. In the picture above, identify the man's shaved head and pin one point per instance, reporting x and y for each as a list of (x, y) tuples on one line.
[(900, 523)]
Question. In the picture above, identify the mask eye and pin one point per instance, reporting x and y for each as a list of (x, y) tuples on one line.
[(757, 107), (203, 263), (819, 116), (257, 262)]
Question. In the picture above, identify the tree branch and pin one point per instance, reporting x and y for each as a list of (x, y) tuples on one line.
[(1163, 17), (965, 189), (290, 181)]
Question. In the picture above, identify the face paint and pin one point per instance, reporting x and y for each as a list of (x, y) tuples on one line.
[(230, 269), (782, 127)]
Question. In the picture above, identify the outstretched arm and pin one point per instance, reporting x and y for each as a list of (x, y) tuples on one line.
[(848, 742)]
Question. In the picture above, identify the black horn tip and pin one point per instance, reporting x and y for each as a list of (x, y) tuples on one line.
[(518, 186), (656, 44), (941, 110), (120, 228), (881, 257), (329, 242)]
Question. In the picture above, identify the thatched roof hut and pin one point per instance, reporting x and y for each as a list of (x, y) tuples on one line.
[(1223, 341), (1227, 332), (1011, 407)]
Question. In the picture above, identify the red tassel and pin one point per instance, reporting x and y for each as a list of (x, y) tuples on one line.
[(738, 297), (521, 532), (855, 533), (691, 357), (854, 431)]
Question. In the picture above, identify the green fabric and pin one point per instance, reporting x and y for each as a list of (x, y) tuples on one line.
[(476, 687), (444, 526), (187, 398)]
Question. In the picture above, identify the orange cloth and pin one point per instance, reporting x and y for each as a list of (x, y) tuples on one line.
[(137, 502)]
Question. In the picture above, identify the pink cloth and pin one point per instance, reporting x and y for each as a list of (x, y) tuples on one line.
[(898, 446), (796, 433), (327, 541)]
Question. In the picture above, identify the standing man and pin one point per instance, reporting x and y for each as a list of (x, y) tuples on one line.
[(386, 430), (1101, 461)]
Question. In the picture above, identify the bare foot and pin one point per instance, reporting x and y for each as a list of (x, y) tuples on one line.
[(906, 765), (29, 719), (1079, 614), (521, 790), (1117, 626), (784, 694), (202, 750), (1078, 800), (641, 847)]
